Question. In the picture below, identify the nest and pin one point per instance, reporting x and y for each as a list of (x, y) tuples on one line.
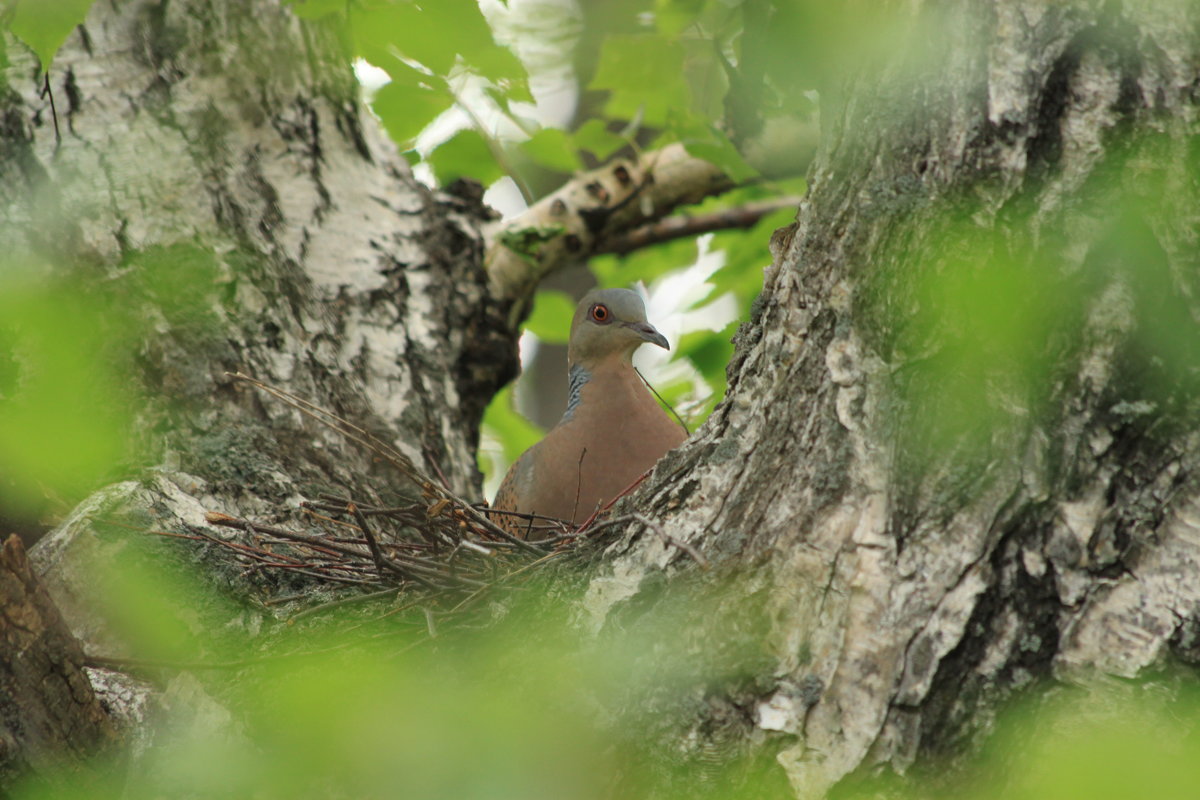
[(433, 560), (441, 551)]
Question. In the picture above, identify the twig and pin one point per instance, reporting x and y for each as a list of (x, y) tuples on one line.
[(376, 553), (345, 601), (473, 595), (217, 518), (340, 505), (389, 454), (587, 522), (48, 92), (578, 483), (684, 225), (671, 540), (670, 407)]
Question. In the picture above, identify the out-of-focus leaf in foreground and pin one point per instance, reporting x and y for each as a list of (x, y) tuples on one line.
[(45, 24), (63, 406)]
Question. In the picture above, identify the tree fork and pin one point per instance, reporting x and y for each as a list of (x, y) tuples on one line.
[(50, 719)]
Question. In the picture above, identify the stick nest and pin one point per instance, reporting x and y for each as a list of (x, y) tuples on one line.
[(441, 547)]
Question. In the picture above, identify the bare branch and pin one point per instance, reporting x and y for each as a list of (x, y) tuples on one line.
[(683, 225), (567, 225)]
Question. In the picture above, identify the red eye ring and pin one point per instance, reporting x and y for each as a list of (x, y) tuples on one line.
[(600, 313)]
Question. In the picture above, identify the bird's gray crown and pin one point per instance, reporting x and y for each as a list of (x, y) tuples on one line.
[(610, 324)]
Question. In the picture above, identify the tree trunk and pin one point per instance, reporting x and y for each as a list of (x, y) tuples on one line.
[(50, 719), (910, 510), (960, 449), (219, 183)]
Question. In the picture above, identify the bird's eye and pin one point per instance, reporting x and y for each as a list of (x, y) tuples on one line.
[(600, 313)]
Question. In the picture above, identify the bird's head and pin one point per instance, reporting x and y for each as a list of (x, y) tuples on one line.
[(610, 323)]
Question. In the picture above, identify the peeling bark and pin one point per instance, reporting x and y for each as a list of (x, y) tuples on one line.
[(882, 584), (574, 222), (913, 573), (224, 145), (220, 186), (50, 719)]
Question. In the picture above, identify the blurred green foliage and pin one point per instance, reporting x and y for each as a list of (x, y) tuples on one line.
[(976, 348), (551, 317), (643, 76), (45, 24), (1107, 744), (64, 407), (366, 704), (987, 327), (83, 355), (663, 71), (513, 432)]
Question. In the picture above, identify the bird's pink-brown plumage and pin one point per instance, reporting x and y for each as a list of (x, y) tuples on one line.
[(613, 430)]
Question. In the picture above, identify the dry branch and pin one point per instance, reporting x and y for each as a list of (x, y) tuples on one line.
[(569, 224), (50, 718), (459, 555), (683, 225), (432, 492)]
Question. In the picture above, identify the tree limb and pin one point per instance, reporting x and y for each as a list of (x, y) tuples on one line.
[(50, 719), (683, 225), (569, 224)]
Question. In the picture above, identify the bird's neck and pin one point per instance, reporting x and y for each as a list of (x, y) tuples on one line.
[(577, 376), (580, 374)]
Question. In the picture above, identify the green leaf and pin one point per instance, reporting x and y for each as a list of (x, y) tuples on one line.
[(45, 24), (717, 149), (709, 351), (515, 433), (551, 148), (527, 242), (706, 78), (63, 407), (385, 31), (407, 105), (315, 9), (746, 255), (595, 137), (644, 73), (647, 264), (551, 317), (465, 155), (434, 34), (672, 16), (499, 63)]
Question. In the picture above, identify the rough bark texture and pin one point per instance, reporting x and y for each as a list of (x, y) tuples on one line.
[(219, 185), (887, 582), (909, 572), (50, 718), (586, 212), (223, 148)]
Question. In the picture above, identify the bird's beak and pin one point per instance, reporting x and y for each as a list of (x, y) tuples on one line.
[(648, 333)]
